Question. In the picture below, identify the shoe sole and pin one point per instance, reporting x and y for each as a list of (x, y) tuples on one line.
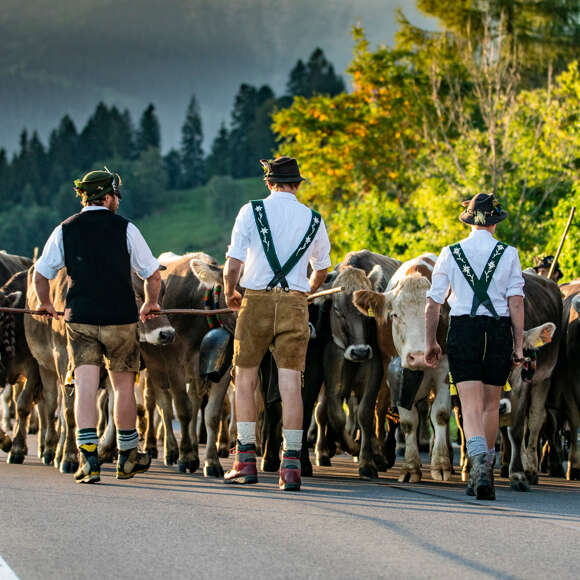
[(89, 479), (121, 475), (485, 492), (245, 480), (290, 486)]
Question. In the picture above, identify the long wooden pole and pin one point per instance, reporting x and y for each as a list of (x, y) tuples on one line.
[(190, 311), (553, 265)]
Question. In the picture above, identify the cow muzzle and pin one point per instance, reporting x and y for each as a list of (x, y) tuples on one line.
[(358, 353), (415, 360), (160, 336)]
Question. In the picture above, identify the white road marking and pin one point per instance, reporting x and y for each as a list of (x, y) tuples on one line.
[(6, 572)]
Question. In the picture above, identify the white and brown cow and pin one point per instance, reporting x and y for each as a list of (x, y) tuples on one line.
[(402, 306)]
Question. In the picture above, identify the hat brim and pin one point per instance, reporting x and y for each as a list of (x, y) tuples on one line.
[(468, 218), (284, 179)]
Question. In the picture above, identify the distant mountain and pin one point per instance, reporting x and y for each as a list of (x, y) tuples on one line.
[(66, 55)]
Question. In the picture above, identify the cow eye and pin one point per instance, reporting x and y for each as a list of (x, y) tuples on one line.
[(392, 315)]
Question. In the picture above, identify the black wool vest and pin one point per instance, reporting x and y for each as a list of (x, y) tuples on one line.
[(98, 265)]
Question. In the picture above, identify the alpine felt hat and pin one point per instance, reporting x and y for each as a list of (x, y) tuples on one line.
[(97, 184), (482, 210), (281, 170), (546, 262)]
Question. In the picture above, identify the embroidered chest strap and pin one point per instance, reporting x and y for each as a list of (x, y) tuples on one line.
[(479, 285), (265, 233)]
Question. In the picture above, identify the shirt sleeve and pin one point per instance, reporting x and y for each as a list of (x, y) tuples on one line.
[(320, 259), (52, 258), (240, 235), (142, 260), (440, 278), (515, 286)]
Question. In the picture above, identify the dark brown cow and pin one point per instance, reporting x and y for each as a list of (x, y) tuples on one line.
[(173, 374)]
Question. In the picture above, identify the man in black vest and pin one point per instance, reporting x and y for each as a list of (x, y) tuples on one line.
[(99, 249)]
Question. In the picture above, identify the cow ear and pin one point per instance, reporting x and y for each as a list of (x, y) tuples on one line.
[(14, 298), (377, 279), (209, 274), (370, 303), (539, 336)]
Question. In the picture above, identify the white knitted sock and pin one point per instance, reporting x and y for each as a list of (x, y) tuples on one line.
[(246, 432), (292, 439)]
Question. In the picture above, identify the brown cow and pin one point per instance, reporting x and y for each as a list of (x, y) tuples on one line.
[(174, 373)]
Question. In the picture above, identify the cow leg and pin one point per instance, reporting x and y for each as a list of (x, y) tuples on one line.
[(69, 462), (149, 400), (536, 418), (312, 384), (213, 413), (441, 461), (48, 407), (505, 452), (321, 450), (108, 441), (383, 430), (411, 466), (366, 415), (6, 402), (24, 401), (223, 439), (188, 460), (573, 471), (170, 448)]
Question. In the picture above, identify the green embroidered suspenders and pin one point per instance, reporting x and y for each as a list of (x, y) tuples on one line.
[(479, 285), (280, 272)]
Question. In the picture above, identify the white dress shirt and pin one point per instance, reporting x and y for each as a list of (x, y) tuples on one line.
[(507, 279), (289, 220), (52, 258)]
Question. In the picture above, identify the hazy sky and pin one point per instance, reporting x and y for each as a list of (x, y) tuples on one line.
[(65, 56)]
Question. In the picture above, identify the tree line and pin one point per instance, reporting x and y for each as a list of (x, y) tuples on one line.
[(36, 183), (487, 103)]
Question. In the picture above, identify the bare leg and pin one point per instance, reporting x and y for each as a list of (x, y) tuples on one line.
[(86, 385), (246, 381), (125, 404), (471, 394), (290, 384)]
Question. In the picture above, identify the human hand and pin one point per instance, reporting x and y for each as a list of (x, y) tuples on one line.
[(47, 309), (234, 300), (433, 355), (518, 357), (149, 310)]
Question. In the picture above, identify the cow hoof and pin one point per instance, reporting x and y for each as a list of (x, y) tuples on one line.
[(556, 470), (504, 471), (213, 470), (6, 444), (185, 466), (573, 474), (69, 466), (409, 477), (518, 482), (171, 458), (48, 457), (368, 472), (380, 462), (223, 452), (440, 474), (532, 478), (401, 452), (153, 452), (323, 462), (390, 459), (270, 465), (306, 468), (33, 429), (15, 457)]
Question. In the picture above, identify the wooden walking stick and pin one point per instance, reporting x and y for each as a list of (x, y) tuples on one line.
[(553, 265)]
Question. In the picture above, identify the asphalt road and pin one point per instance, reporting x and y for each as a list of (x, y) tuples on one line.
[(163, 524)]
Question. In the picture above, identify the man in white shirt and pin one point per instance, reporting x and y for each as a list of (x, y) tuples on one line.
[(482, 280), (99, 249), (273, 240)]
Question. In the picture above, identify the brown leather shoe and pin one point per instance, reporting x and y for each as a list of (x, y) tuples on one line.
[(245, 470), (290, 471)]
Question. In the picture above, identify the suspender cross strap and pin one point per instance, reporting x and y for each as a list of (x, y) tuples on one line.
[(479, 285), (265, 233)]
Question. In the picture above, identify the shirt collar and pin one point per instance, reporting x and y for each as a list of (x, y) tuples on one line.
[(282, 195), (479, 234), (93, 208)]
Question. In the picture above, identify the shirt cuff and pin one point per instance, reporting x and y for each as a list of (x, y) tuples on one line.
[(435, 297), (236, 255), (45, 270), (149, 270), (322, 264), (515, 292)]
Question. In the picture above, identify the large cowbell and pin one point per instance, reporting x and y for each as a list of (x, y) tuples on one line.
[(215, 354), (404, 383)]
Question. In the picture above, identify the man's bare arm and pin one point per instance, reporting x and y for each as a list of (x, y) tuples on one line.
[(433, 350), (152, 287), (516, 308), (232, 274), (42, 289), (317, 278)]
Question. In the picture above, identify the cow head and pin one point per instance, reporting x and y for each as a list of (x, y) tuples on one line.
[(403, 306), (157, 330), (349, 328)]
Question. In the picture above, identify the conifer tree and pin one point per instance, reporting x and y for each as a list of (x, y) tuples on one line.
[(191, 146), (218, 162), (149, 131)]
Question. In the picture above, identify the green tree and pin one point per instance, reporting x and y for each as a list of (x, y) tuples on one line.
[(191, 146), (172, 165), (149, 131), (218, 161), (316, 77)]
